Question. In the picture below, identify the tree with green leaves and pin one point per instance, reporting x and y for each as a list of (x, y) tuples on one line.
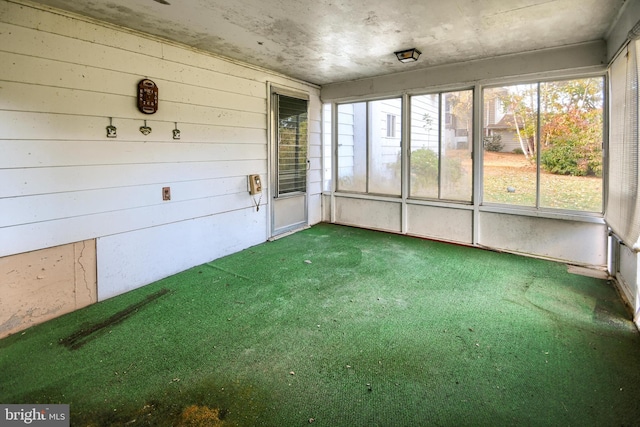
[(570, 114), (571, 127)]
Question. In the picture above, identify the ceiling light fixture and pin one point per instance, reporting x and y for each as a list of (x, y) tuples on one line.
[(409, 55)]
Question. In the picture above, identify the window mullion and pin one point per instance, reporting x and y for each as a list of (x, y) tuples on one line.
[(538, 148), (276, 109), (367, 146), (439, 146)]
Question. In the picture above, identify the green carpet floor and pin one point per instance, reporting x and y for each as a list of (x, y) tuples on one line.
[(337, 326)]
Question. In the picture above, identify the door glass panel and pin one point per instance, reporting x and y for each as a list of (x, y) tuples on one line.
[(292, 145)]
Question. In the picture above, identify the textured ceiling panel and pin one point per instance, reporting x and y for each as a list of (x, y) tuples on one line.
[(326, 41)]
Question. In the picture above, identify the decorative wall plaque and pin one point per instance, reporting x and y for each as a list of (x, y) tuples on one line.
[(147, 96)]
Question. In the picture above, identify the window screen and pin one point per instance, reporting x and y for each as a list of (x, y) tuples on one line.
[(441, 143), (369, 144), (543, 144)]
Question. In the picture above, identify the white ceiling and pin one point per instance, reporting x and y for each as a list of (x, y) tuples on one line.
[(328, 41)]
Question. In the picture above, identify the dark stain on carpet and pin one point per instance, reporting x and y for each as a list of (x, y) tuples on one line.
[(84, 335)]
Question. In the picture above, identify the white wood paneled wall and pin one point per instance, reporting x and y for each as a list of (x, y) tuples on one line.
[(62, 78)]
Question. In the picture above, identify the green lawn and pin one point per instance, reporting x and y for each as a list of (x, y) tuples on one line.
[(505, 170)]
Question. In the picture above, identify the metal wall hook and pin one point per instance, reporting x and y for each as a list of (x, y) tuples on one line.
[(176, 131), (146, 130), (111, 129)]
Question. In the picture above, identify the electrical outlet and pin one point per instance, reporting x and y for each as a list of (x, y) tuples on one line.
[(166, 193)]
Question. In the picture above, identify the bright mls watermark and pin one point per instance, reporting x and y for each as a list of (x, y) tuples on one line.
[(34, 415)]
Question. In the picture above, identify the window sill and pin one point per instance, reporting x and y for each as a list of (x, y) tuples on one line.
[(591, 217)]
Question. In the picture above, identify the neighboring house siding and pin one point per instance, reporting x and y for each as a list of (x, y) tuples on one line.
[(384, 147), (64, 181), (346, 142), (425, 119), (509, 140)]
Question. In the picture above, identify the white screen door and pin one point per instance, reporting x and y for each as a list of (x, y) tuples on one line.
[(289, 168)]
